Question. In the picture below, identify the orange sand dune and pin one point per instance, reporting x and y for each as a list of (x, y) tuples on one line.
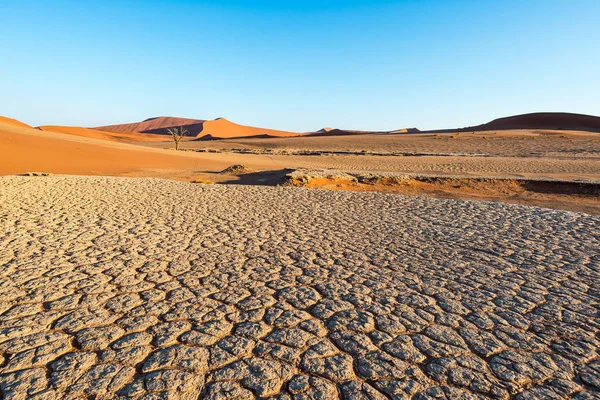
[(221, 128), (104, 135), (406, 130), (546, 120), (153, 125), (540, 120), (28, 150), (13, 122)]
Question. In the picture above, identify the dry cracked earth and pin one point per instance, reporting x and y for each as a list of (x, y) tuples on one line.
[(144, 288)]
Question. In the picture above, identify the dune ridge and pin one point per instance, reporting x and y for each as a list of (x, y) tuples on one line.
[(13, 122)]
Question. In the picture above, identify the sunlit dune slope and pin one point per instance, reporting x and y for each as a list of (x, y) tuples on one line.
[(13, 122), (104, 135), (223, 129), (27, 149)]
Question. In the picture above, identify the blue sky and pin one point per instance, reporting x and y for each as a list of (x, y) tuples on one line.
[(298, 65)]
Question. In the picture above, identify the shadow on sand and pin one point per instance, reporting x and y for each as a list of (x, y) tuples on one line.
[(261, 178)]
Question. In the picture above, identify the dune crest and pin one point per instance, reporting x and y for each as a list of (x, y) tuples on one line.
[(13, 122)]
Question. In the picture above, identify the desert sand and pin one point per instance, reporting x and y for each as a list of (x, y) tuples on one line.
[(514, 154), (516, 142), (115, 284), (145, 288)]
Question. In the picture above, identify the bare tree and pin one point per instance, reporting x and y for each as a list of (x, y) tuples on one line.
[(177, 132)]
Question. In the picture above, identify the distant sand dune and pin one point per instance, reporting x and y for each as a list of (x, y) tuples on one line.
[(219, 128), (152, 125), (224, 129), (541, 120), (546, 121)]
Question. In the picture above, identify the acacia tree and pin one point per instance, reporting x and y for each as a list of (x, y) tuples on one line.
[(177, 132)]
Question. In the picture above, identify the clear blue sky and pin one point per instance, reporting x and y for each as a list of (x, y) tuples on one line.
[(298, 65)]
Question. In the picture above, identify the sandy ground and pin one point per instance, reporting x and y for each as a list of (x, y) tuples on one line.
[(125, 288), (476, 166), (578, 197), (561, 155), (521, 143)]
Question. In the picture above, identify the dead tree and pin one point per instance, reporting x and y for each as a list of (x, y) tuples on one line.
[(177, 132)]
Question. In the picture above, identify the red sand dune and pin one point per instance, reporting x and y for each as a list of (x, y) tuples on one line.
[(221, 128), (25, 149), (568, 121), (13, 122), (541, 120), (152, 125), (104, 135)]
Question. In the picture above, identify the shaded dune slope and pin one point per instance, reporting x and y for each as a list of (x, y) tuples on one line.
[(541, 120), (565, 121), (152, 125)]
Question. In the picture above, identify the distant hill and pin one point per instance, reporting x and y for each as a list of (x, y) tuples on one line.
[(338, 132), (346, 132), (541, 120)]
